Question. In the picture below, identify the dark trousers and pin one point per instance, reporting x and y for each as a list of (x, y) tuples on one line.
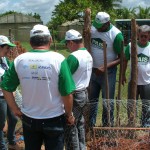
[(12, 121), (97, 85), (75, 134), (144, 92), (47, 131)]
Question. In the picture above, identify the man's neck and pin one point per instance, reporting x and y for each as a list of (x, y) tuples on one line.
[(40, 47)]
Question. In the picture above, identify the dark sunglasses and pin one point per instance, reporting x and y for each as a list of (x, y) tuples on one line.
[(144, 36), (67, 42)]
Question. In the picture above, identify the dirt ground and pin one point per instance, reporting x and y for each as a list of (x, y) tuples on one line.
[(123, 141), (105, 143), (139, 142)]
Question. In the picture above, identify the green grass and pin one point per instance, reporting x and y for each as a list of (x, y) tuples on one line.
[(60, 48)]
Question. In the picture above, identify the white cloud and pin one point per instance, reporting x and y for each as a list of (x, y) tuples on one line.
[(45, 7), (135, 3)]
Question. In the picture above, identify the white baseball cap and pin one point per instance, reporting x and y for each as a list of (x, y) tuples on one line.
[(72, 35), (100, 19), (39, 30), (5, 40)]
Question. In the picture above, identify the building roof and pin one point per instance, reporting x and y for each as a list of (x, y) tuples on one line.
[(18, 18), (74, 22)]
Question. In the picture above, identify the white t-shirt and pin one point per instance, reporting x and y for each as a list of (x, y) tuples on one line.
[(97, 39), (143, 64)]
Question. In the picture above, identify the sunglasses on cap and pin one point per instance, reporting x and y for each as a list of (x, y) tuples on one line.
[(144, 36)]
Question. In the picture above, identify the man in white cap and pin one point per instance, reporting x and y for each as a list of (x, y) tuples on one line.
[(5, 112), (103, 30), (143, 81), (80, 63), (46, 85)]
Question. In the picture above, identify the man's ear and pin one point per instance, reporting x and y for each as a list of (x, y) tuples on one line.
[(51, 40)]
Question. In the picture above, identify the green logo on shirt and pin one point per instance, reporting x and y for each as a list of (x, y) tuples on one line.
[(143, 59), (96, 42)]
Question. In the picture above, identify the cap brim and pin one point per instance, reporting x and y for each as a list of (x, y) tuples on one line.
[(63, 41), (97, 25), (11, 44)]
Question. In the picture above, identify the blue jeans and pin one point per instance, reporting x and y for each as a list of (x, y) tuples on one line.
[(144, 92), (12, 121), (50, 131), (97, 84), (75, 134)]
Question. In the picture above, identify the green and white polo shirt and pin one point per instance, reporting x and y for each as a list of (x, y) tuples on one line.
[(143, 62), (4, 64), (44, 77), (80, 63), (113, 38)]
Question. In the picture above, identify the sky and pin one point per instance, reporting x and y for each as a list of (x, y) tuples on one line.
[(45, 7)]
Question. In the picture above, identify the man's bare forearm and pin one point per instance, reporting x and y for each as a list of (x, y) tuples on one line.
[(68, 104), (113, 63), (9, 97)]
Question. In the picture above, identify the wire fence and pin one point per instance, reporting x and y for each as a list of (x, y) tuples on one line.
[(121, 136)]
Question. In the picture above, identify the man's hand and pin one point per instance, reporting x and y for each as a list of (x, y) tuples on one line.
[(99, 71), (17, 112), (70, 120)]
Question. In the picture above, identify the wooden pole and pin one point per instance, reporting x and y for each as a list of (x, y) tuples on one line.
[(134, 74), (106, 83), (119, 87), (87, 29), (87, 44)]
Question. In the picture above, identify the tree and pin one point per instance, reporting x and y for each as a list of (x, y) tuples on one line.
[(70, 10), (109, 4), (126, 13), (143, 13)]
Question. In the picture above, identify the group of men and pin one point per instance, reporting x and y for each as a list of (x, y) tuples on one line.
[(54, 89)]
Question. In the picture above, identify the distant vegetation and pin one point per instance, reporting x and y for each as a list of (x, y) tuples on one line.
[(69, 10), (35, 15)]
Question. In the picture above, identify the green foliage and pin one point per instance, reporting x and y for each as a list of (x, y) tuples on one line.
[(143, 13), (69, 10), (35, 15), (8, 12), (136, 12)]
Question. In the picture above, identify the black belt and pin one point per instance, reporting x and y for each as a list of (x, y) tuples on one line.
[(78, 91), (1, 96), (26, 118)]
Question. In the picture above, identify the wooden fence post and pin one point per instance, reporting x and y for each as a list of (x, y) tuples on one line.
[(134, 73), (87, 29), (106, 83), (119, 87)]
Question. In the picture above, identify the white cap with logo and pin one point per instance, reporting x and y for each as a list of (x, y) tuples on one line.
[(39, 30), (72, 35), (100, 19), (5, 40)]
